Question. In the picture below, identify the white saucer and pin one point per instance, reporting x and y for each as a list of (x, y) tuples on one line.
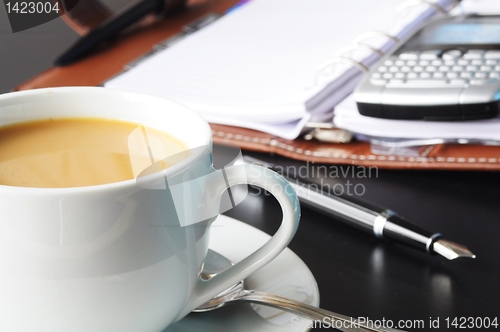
[(287, 275)]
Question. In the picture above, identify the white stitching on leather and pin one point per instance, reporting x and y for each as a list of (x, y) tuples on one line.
[(288, 147)]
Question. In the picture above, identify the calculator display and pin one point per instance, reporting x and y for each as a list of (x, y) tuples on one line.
[(462, 34), (482, 32)]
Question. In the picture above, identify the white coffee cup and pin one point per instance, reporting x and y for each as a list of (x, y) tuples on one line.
[(112, 257)]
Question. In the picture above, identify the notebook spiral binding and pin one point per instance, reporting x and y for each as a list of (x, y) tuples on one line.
[(320, 131), (356, 44)]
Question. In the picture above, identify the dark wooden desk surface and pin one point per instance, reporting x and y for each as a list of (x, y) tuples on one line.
[(361, 276), (357, 274)]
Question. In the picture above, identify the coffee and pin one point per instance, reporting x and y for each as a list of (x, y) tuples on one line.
[(76, 152)]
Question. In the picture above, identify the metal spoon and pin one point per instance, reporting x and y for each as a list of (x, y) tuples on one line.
[(216, 263)]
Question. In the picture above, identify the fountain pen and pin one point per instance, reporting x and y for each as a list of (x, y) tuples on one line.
[(381, 222)]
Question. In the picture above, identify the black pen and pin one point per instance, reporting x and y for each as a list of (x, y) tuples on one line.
[(112, 26), (381, 222)]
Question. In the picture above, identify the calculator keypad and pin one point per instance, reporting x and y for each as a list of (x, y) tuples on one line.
[(453, 67)]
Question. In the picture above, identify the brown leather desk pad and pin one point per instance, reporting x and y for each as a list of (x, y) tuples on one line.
[(105, 64)]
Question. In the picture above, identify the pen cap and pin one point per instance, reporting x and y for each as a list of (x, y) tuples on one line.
[(83, 16)]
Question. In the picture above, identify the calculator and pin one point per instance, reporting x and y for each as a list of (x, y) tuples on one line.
[(447, 70)]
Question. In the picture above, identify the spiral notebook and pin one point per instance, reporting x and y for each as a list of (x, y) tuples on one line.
[(274, 65)]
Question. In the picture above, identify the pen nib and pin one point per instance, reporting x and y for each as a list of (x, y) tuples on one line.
[(451, 250)]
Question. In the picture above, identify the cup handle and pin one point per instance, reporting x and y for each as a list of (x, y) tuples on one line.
[(279, 187)]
